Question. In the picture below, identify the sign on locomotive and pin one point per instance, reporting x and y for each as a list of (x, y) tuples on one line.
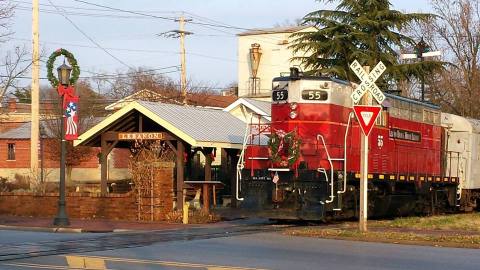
[(421, 160)]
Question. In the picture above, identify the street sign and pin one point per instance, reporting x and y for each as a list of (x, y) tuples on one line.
[(368, 82), (367, 115)]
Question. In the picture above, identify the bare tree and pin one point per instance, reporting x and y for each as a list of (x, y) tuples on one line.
[(121, 85), (15, 64), (91, 111), (456, 32), (6, 13)]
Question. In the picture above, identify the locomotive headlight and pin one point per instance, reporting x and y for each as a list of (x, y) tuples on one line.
[(293, 114), (293, 105)]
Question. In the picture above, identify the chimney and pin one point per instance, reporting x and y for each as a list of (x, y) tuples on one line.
[(12, 105)]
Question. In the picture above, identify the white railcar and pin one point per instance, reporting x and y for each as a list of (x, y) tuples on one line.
[(462, 156)]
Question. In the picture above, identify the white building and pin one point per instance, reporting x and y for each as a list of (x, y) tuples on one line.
[(262, 55)]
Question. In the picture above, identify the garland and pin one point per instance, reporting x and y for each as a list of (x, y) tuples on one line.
[(277, 143), (71, 60)]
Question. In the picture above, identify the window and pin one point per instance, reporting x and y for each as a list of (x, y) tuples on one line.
[(381, 119), (11, 151)]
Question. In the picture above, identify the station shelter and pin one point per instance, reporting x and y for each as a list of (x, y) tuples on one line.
[(185, 129)]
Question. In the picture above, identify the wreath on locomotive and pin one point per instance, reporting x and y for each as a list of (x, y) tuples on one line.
[(284, 147)]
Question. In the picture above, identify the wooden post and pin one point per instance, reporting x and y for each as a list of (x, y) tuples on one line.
[(106, 148), (208, 177), (183, 77), (233, 175), (103, 166), (180, 174), (35, 93)]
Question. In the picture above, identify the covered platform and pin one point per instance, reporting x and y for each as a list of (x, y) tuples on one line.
[(185, 129)]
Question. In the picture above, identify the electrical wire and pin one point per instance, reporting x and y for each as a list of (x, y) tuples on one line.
[(87, 9), (88, 37), (156, 16)]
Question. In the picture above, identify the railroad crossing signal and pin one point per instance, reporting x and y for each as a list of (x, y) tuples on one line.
[(366, 115), (368, 82)]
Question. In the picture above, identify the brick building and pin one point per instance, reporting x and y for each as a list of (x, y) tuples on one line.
[(15, 158)]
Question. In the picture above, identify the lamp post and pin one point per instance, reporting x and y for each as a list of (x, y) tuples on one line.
[(422, 50), (62, 219)]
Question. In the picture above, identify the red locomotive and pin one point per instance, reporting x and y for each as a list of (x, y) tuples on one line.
[(309, 169)]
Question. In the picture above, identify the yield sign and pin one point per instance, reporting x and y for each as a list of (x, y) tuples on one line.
[(366, 116)]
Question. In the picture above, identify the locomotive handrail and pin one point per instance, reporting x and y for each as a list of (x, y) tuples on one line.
[(241, 160), (331, 169), (350, 116)]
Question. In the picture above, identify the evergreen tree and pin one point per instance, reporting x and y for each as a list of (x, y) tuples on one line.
[(366, 30)]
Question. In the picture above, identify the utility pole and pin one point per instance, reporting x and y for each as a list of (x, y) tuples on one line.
[(181, 33), (35, 91), (183, 79)]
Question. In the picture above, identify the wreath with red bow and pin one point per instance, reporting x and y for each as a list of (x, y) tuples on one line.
[(284, 148), (71, 60)]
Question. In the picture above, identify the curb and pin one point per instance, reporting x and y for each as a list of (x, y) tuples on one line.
[(52, 230)]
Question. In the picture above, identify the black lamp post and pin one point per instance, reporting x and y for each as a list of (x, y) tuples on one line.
[(62, 219), (420, 49)]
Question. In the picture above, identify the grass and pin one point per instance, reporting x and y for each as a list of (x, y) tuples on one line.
[(459, 230), (450, 240), (467, 222)]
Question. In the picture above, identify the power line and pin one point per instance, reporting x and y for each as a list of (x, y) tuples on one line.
[(88, 37), (120, 76), (88, 9), (158, 17)]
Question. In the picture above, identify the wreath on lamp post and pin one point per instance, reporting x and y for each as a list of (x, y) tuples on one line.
[(278, 144), (71, 60)]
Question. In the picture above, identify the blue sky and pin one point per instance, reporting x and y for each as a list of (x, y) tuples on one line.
[(211, 51)]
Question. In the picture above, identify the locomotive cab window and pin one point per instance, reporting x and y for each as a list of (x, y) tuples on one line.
[(382, 119), (319, 95)]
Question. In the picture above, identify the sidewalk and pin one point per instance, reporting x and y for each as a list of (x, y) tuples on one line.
[(79, 225)]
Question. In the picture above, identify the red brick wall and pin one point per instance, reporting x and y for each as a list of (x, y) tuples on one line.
[(22, 156), (113, 206), (121, 157), (93, 206)]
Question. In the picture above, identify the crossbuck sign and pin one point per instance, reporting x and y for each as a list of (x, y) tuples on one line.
[(368, 82)]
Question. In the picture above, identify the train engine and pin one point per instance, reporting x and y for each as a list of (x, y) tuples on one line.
[(306, 163)]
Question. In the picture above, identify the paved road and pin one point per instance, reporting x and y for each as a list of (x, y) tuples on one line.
[(237, 249)]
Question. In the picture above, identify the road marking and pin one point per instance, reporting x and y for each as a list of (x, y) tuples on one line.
[(168, 263), (40, 266), (86, 263)]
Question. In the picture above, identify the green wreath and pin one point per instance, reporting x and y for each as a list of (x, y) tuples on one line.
[(71, 60), (293, 143)]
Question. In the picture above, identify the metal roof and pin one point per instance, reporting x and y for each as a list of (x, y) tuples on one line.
[(202, 124), (264, 106), (23, 132), (199, 127)]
